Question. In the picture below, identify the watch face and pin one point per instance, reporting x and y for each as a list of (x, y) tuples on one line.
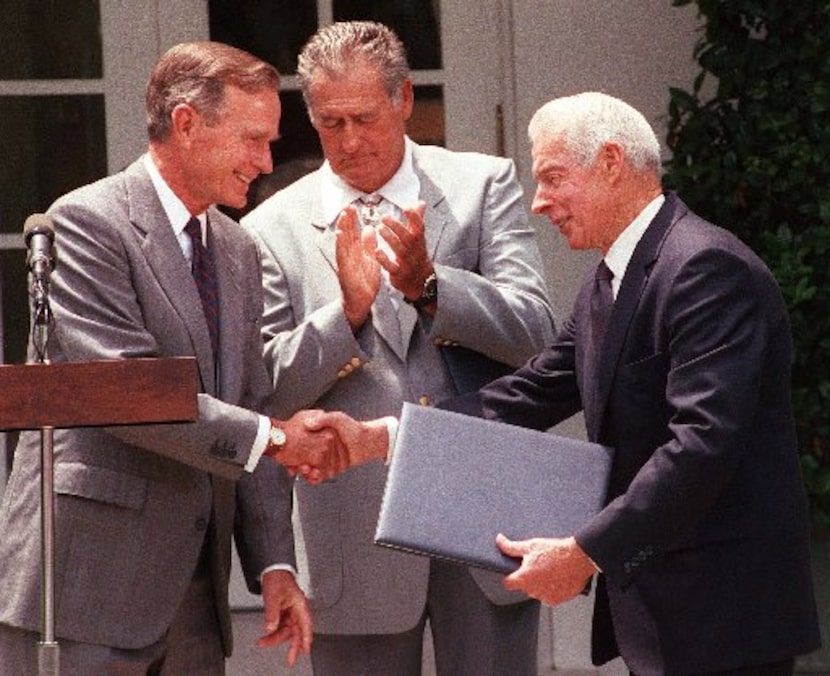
[(277, 436), (431, 288)]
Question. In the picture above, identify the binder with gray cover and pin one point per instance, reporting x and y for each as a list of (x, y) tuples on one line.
[(455, 481)]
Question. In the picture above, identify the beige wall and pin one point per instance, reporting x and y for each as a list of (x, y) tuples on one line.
[(634, 50)]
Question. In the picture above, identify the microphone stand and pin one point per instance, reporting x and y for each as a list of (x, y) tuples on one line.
[(48, 655)]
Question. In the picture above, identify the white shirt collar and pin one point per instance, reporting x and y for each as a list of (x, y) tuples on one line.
[(621, 251), (402, 190), (177, 213)]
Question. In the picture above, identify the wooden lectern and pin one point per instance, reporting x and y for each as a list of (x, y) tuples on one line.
[(86, 394)]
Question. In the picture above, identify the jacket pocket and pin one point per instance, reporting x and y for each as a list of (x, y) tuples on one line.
[(100, 484)]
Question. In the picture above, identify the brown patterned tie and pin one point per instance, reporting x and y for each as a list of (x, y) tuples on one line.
[(369, 213), (204, 275)]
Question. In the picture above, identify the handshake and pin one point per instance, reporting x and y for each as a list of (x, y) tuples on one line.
[(320, 445)]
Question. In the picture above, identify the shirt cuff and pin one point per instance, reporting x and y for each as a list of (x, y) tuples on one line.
[(278, 566), (260, 443), (392, 430)]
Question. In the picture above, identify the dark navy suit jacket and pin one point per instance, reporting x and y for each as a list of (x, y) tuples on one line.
[(703, 543)]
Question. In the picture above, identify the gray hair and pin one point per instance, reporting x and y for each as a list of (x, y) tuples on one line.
[(196, 73), (589, 120), (333, 50)]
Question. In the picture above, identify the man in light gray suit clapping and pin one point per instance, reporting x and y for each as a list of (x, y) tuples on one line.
[(460, 293)]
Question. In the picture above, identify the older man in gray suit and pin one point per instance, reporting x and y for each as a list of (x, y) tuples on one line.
[(145, 515), (461, 287)]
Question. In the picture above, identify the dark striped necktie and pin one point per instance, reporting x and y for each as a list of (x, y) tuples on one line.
[(205, 276)]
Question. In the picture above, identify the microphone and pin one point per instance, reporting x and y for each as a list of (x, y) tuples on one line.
[(39, 234)]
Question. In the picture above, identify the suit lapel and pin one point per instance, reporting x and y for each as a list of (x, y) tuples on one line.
[(228, 261), (628, 298), (164, 256)]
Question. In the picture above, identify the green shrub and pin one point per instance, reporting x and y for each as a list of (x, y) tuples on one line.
[(751, 151)]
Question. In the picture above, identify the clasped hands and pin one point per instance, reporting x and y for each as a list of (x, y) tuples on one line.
[(322, 444)]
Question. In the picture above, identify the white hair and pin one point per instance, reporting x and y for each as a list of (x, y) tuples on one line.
[(589, 120)]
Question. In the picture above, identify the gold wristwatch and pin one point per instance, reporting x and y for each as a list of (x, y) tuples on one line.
[(276, 439)]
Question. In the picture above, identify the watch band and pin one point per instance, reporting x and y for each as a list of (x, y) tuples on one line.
[(429, 293)]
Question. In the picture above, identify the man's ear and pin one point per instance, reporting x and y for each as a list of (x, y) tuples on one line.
[(184, 119), (611, 159)]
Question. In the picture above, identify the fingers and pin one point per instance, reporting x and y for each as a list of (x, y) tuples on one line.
[(347, 226), (369, 240), (515, 548), (287, 615), (409, 264), (358, 273), (312, 450)]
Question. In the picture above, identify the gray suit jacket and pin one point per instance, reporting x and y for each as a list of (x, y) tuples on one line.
[(492, 299), (135, 504)]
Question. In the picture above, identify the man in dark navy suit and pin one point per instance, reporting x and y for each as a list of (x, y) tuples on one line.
[(685, 369)]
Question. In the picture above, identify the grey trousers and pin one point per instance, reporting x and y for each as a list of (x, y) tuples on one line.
[(471, 636), (192, 646)]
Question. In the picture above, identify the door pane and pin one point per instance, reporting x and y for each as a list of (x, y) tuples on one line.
[(427, 122), (276, 30), (417, 23), (50, 40), (273, 30), (52, 144)]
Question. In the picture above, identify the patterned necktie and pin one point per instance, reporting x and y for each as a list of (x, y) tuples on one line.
[(369, 212), (205, 277)]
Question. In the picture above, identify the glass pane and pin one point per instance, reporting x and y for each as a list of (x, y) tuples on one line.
[(273, 30), (417, 23), (296, 153), (49, 40), (15, 301), (51, 144), (427, 122)]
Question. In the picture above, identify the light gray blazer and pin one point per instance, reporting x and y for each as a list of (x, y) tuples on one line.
[(134, 504), (492, 299)]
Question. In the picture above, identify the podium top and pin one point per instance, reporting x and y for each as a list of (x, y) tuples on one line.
[(94, 393)]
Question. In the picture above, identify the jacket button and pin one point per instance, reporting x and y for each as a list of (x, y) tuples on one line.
[(201, 524)]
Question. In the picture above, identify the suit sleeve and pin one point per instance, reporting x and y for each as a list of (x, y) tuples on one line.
[(538, 395), (100, 306), (498, 306), (320, 344)]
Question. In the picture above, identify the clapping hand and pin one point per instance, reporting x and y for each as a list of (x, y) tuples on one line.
[(410, 265), (357, 270)]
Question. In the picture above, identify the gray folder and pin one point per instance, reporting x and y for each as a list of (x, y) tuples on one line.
[(455, 481)]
